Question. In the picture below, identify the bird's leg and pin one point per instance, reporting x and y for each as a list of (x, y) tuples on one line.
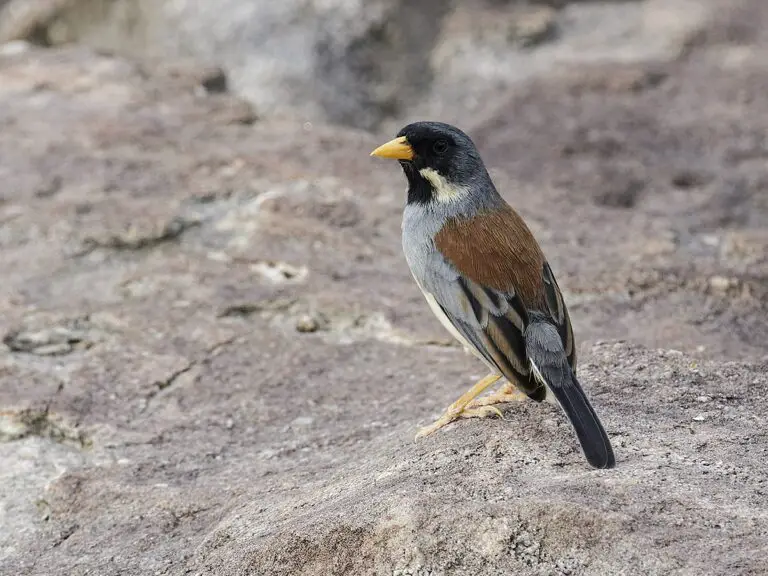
[(507, 393), (458, 408)]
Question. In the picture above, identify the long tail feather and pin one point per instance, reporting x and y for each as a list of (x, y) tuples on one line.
[(589, 430), (545, 351)]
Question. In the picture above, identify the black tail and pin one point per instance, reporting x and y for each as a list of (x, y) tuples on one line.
[(545, 351), (592, 437)]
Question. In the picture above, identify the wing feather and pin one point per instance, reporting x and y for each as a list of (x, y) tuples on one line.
[(490, 305), (558, 314)]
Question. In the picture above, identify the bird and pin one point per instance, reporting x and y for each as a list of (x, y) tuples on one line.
[(487, 280)]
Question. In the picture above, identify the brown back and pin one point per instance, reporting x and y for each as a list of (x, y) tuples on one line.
[(497, 250)]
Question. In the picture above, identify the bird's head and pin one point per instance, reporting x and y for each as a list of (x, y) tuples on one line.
[(440, 162)]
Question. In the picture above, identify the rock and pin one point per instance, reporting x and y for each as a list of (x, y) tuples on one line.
[(26, 423), (359, 60), (248, 308), (26, 19), (61, 338), (307, 323), (533, 27), (488, 49), (367, 63), (14, 47), (141, 235), (200, 433), (721, 283)]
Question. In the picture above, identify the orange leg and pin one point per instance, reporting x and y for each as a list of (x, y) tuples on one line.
[(507, 393), (460, 408)]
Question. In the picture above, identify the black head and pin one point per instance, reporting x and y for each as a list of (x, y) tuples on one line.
[(435, 155)]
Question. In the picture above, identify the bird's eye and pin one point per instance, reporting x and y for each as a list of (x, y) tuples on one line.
[(440, 146)]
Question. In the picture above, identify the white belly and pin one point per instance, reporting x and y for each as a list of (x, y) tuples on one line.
[(438, 311)]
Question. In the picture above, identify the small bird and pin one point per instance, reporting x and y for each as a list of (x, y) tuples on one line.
[(486, 279)]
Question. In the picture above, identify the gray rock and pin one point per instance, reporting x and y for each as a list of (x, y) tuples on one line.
[(368, 63), (199, 432)]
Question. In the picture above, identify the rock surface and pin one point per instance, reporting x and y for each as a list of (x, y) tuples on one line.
[(214, 358), (368, 63)]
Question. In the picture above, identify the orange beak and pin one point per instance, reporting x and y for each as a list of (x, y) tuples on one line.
[(398, 149)]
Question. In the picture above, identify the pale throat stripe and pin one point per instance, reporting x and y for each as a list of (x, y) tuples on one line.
[(443, 190)]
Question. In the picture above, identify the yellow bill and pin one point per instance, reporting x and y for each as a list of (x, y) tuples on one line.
[(398, 149)]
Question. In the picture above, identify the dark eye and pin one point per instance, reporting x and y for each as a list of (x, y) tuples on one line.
[(440, 146)]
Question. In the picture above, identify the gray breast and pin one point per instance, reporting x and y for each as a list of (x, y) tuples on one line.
[(435, 276), (420, 224)]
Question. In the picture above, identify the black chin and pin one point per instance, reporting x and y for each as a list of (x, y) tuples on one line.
[(419, 189)]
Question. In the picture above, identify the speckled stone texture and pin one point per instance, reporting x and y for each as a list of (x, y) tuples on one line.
[(214, 359)]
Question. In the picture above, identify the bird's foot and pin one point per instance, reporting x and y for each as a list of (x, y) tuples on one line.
[(507, 393), (449, 416), (459, 408)]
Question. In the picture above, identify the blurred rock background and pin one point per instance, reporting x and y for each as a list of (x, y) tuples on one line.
[(362, 63), (213, 356)]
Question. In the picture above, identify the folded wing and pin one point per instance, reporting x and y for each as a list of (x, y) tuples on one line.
[(499, 275)]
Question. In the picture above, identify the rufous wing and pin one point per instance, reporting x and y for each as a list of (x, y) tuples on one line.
[(503, 275)]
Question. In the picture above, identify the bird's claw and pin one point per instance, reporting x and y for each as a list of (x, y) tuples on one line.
[(507, 394), (448, 417)]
